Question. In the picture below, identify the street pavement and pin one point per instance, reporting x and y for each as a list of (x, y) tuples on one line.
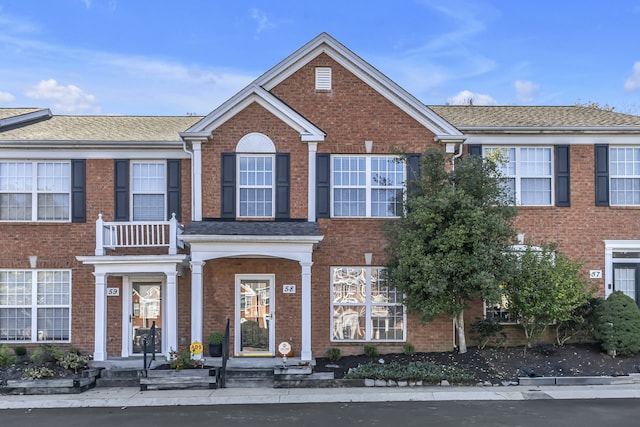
[(123, 397)]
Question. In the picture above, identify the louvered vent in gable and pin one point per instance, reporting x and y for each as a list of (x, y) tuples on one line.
[(323, 78)]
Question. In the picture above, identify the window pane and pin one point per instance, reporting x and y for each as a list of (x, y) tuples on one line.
[(15, 207), (53, 288), (349, 202), (535, 162), (349, 323), (148, 207), (256, 186), (15, 176), (386, 203), (53, 324), (349, 285), (54, 177), (15, 288), (53, 207), (15, 324), (148, 178), (536, 191), (625, 191)]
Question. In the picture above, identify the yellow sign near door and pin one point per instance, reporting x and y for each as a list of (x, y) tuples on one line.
[(196, 347)]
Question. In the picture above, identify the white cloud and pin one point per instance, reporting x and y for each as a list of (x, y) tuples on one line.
[(263, 21), (466, 97), (67, 99), (526, 91), (6, 97), (633, 81)]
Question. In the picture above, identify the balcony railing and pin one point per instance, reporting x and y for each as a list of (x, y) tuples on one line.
[(138, 234)]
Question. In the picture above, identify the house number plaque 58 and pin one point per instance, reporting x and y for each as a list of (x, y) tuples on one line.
[(288, 289)]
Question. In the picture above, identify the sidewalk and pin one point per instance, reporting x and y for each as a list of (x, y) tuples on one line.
[(130, 396)]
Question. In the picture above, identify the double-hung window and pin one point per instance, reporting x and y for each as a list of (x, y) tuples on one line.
[(35, 191), (527, 173), (367, 186), (365, 306), (256, 189), (148, 190), (35, 305), (624, 164)]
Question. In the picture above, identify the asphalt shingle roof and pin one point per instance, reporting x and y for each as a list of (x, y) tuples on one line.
[(464, 116), (102, 128), (255, 228)]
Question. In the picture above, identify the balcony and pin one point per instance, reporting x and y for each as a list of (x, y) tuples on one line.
[(138, 234)]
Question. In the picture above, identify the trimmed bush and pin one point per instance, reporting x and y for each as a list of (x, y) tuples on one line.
[(20, 351), (7, 358), (371, 351), (334, 354), (408, 349), (617, 324)]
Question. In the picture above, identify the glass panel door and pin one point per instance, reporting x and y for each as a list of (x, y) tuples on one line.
[(254, 296), (625, 279), (146, 309)]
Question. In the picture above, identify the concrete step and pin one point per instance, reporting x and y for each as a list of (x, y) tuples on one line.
[(118, 378), (183, 379), (249, 377)]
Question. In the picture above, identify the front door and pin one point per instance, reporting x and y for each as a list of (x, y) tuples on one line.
[(146, 309), (625, 279), (254, 314)]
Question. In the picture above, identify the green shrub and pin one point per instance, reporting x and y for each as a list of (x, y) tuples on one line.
[(38, 372), (215, 338), (7, 358), (334, 354), (73, 360), (371, 351), (408, 349), (579, 327), (617, 324), (488, 332), (20, 350), (414, 371), (38, 355)]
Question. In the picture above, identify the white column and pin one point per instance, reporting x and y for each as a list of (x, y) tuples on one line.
[(305, 353), (196, 300), (196, 174), (171, 313), (608, 270), (99, 236), (311, 201), (100, 334)]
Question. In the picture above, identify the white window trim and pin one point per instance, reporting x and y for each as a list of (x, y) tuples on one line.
[(35, 192), (164, 188), (368, 187), (368, 304), (518, 176), (34, 306), (273, 183)]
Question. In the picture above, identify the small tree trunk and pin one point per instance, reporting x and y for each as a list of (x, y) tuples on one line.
[(462, 341)]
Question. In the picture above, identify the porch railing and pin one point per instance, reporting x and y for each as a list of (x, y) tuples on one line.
[(225, 356), (149, 339), (138, 234)]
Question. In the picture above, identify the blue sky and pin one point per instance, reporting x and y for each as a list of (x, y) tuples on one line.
[(153, 57)]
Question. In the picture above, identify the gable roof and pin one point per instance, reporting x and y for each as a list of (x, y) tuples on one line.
[(254, 93), (536, 118), (326, 44)]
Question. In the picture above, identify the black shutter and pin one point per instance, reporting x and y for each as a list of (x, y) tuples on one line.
[(602, 174), (174, 188), (323, 181), (413, 171), (78, 191), (475, 149), (121, 180), (228, 199), (282, 185), (563, 181)]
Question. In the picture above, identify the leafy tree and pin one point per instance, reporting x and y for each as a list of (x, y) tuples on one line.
[(617, 324), (548, 288), (449, 246)]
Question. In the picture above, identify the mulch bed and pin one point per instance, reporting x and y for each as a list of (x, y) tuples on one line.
[(500, 365)]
